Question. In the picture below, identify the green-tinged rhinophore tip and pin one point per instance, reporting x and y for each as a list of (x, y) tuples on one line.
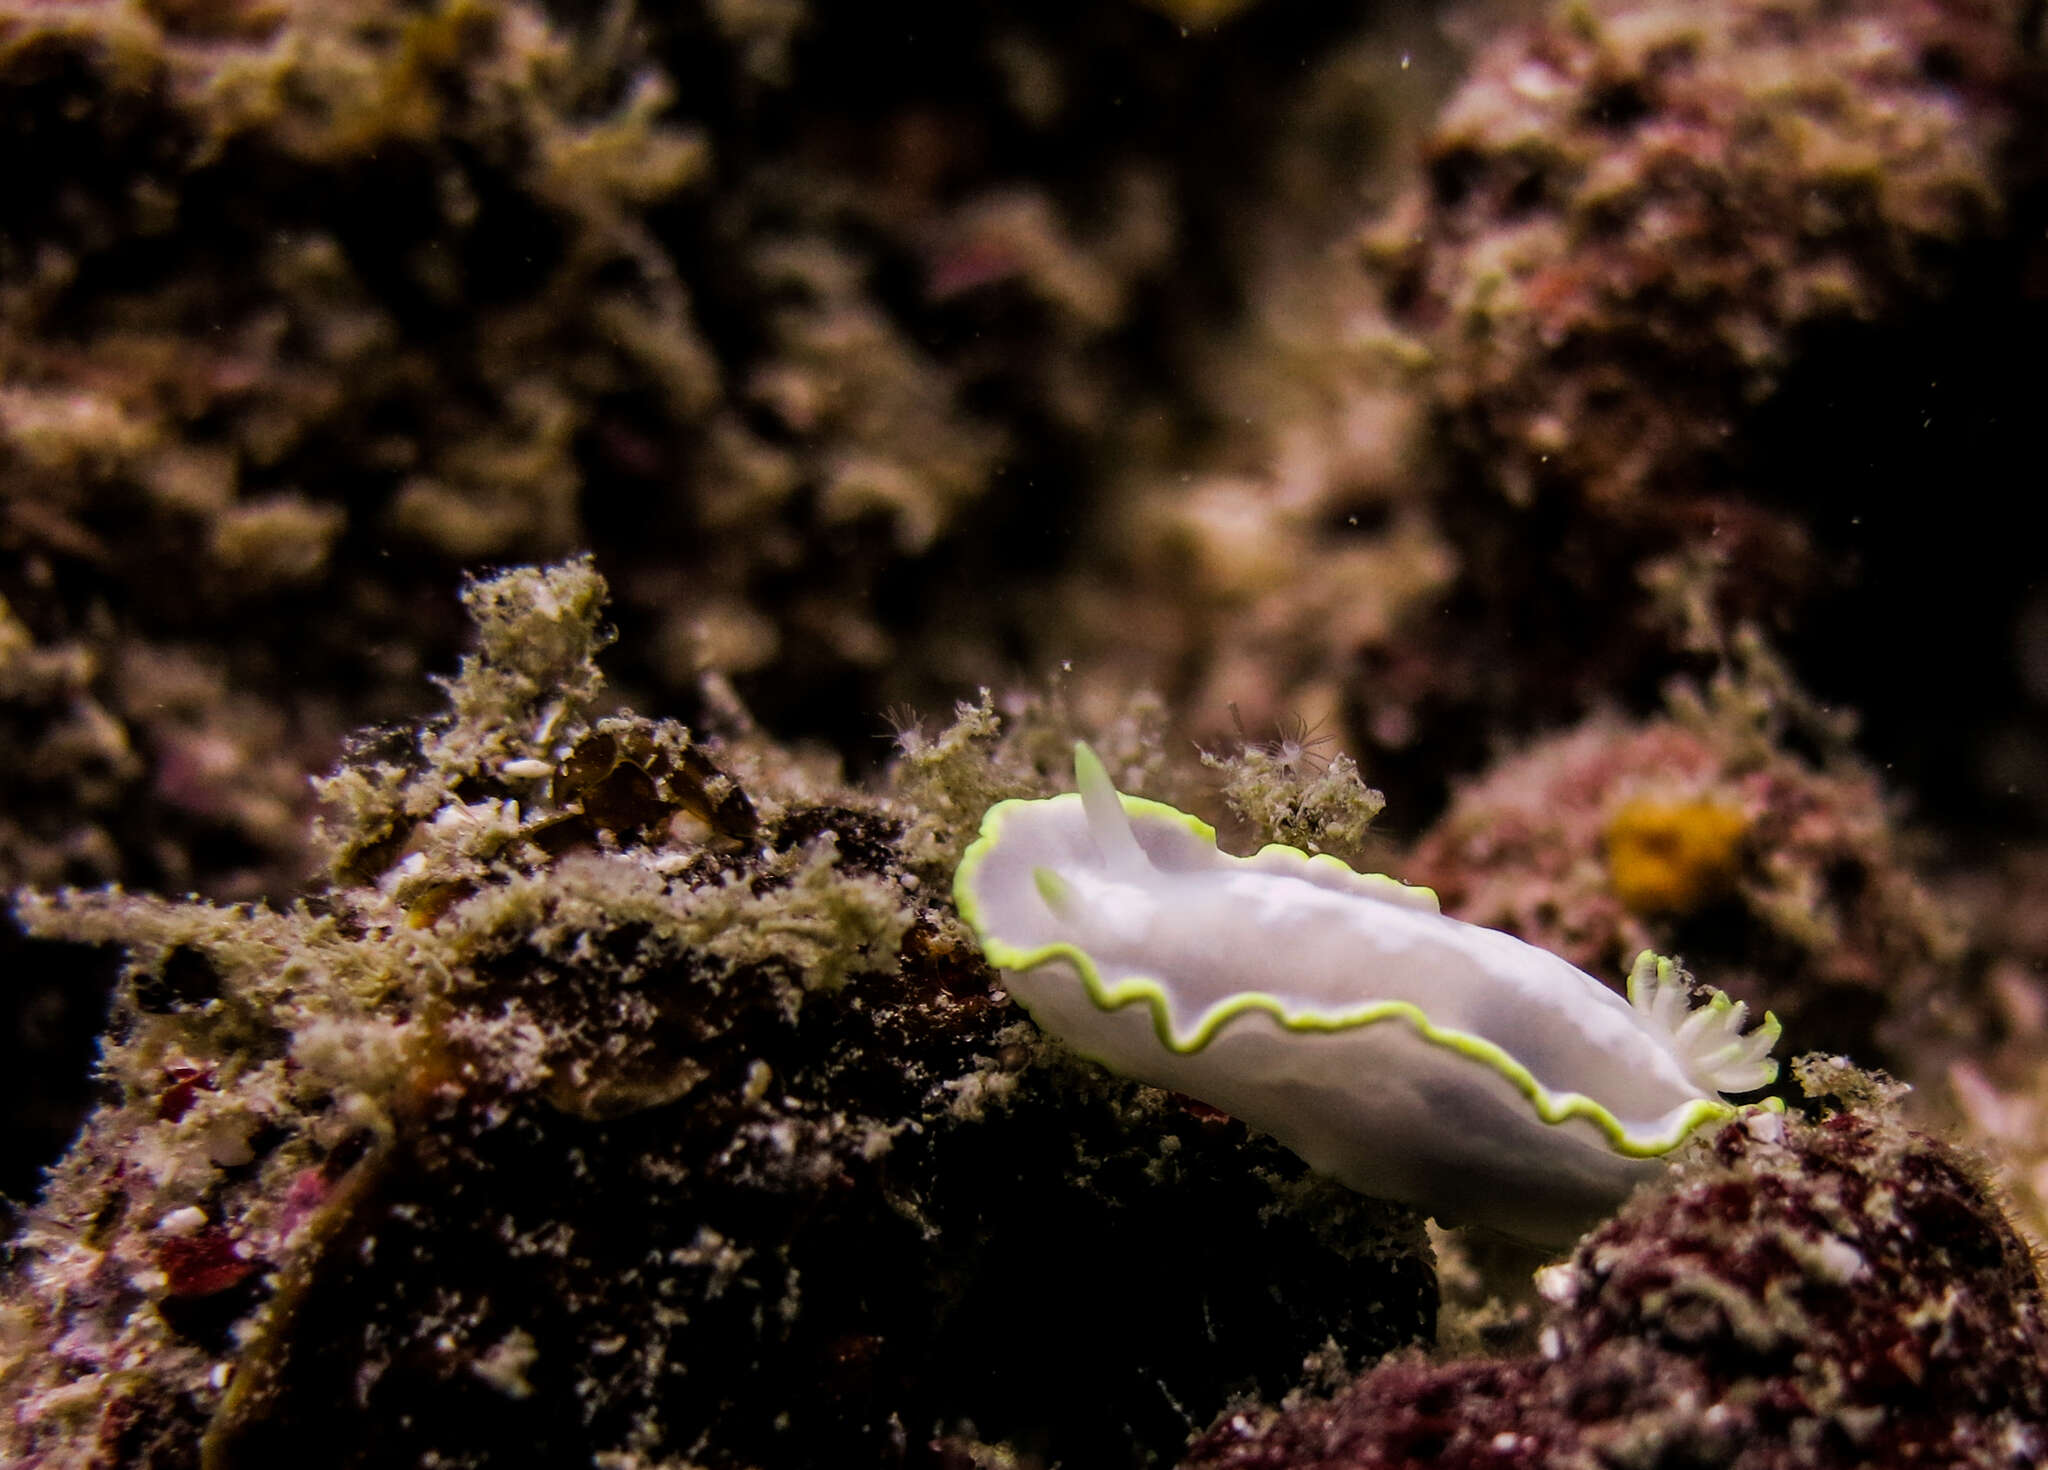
[(1108, 823)]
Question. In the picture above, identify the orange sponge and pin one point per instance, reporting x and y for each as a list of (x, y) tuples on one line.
[(1672, 857)]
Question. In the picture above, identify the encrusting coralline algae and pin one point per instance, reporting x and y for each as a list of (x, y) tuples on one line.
[(1800, 1295)]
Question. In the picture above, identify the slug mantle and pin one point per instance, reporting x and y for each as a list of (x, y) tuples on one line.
[(1409, 1055)]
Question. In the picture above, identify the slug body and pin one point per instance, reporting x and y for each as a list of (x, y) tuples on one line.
[(1411, 1056)]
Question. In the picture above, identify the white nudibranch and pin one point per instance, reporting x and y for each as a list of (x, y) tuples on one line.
[(1409, 1055)]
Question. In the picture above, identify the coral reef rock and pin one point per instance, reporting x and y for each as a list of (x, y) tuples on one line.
[(1820, 1294), (1634, 208), (631, 1097)]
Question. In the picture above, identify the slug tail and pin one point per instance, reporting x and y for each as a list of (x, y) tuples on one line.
[(1107, 822)]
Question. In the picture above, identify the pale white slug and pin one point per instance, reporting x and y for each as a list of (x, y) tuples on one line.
[(1411, 1056)]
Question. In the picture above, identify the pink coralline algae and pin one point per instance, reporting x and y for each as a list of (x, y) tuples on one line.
[(1821, 915), (1637, 205), (1802, 1294)]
